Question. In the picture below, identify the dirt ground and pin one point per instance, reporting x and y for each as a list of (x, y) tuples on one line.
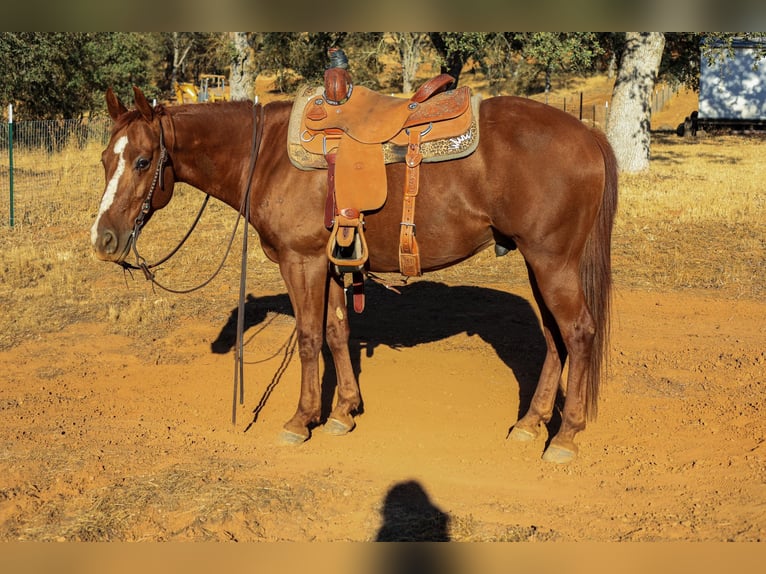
[(103, 437)]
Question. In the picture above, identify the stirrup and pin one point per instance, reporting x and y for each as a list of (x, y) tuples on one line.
[(348, 253)]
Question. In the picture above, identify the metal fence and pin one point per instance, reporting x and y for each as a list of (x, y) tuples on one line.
[(595, 111), (55, 169)]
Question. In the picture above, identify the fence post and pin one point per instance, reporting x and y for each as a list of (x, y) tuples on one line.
[(10, 160)]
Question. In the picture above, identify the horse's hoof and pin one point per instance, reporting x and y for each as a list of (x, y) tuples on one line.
[(559, 454), (290, 438), (522, 435), (335, 427)]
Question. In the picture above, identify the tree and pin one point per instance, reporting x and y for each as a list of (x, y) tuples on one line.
[(717, 46), (241, 78), (456, 48), (295, 56), (121, 60), (410, 46), (53, 75), (189, 54), (179, 47), (631, 111), (554, 52)]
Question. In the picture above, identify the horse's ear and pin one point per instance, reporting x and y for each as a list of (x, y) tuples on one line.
[(114, 105), (143, 105)]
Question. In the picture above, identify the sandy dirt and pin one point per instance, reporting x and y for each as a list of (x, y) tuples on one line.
[(105, 437)]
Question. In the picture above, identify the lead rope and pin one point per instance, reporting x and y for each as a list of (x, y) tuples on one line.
[(239, 366)]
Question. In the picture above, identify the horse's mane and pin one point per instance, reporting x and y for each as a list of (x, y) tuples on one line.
[(182, 109)]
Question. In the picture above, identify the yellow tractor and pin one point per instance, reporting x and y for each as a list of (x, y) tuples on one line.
[(212, 88)]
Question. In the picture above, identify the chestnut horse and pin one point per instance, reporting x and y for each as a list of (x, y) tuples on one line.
[(540, 181)]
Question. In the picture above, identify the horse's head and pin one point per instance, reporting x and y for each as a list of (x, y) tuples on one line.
[(139, 176)]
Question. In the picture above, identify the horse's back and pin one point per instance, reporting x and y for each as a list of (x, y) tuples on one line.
[(534, 167)]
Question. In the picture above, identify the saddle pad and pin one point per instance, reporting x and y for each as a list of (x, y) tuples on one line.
[(438, 146)]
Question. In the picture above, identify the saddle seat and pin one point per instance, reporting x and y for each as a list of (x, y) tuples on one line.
[(353, 132), (370, 117)]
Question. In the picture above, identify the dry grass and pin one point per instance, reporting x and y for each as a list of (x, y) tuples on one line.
[(200, 502), (695, 220)]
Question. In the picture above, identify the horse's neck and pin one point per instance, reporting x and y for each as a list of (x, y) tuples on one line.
[(212, 149)]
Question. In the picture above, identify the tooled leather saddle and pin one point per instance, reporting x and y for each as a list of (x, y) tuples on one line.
[(353, 132)]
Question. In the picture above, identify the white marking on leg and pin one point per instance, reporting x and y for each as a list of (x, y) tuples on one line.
[(111, 188)]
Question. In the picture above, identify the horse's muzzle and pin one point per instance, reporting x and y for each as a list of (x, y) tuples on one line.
[(109, 246)]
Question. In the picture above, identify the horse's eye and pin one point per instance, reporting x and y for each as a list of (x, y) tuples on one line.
[(142, 163)]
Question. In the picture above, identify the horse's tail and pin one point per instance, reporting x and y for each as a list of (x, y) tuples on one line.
[(596, 275)]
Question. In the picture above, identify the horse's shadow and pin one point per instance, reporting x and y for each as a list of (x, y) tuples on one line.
[(425, 312)]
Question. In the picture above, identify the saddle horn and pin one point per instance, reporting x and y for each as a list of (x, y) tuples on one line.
[(338, 84)]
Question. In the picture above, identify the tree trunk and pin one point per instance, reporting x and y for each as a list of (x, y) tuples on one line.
[(241, 80), (180, 51), (453, 62), (410, 45), (631, 112)]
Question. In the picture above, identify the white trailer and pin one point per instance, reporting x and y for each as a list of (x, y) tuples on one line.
[(733, 88)]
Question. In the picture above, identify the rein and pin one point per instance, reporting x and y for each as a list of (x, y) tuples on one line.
[(239, 369), (244, 211)]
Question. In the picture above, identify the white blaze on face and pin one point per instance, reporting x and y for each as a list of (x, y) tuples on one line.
[(111, 188)]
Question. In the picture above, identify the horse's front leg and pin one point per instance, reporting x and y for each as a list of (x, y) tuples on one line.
[(337, 330), (306, 281)]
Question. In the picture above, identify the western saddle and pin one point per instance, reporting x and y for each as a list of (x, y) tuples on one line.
[(353, 132)]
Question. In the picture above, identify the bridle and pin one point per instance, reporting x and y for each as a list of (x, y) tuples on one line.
[(159, 178), (158, 181), (146, 207)]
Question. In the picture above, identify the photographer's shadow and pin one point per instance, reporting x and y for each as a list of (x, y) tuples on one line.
[(410, 516)]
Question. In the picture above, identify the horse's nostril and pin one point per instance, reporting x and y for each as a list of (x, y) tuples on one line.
[(109, 242)]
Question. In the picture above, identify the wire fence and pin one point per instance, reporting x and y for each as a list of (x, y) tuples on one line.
[(55, 169), (595, 110)]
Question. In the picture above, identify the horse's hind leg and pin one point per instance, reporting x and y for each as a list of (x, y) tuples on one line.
[(337, 332), (561, 291), (541, 406)]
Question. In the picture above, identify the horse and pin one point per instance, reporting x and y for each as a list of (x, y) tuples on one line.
[(539, 182)]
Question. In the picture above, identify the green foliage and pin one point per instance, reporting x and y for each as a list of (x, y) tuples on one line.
[(555, 52), (295, 56), (717, 46), (456, 48), (50, 75)]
